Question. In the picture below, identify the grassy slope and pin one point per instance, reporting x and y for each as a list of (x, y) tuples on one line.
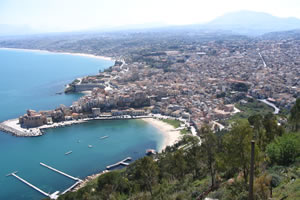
[(249, 109), (176, 124)]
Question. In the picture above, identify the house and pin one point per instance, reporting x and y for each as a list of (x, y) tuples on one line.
[(32, 119), (96, 112)]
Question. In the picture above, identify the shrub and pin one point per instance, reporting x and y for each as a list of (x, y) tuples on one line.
[(284, 150)]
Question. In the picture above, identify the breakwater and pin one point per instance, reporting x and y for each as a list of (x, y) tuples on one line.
[(20, 133), (13, 127)]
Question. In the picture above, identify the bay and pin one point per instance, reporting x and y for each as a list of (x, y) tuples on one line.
[(30, 80)]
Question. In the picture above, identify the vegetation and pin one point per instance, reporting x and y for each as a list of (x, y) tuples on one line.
[(241, 87), (295, 116), (185, 131), (175, 123), (252, 107), (218, 168)]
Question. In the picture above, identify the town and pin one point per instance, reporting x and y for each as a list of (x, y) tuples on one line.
[(193, 78)]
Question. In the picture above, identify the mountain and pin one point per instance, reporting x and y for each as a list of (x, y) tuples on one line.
[(248, 23), (252, 23)]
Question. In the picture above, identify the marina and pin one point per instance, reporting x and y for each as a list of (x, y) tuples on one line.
[(60, 172), (51, 196)]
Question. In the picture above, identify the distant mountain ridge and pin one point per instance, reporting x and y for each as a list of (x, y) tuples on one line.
[(249, 23), (252, 23)]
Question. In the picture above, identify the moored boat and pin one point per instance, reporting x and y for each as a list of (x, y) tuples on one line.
[(69, 152)]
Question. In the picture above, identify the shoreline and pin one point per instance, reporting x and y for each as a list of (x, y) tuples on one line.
[(58, 52), (170, 135), (87, 179)]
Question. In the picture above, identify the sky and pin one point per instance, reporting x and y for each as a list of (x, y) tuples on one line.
[(72, 15)]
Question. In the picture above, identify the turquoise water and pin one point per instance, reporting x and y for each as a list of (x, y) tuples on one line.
[(31, 80)]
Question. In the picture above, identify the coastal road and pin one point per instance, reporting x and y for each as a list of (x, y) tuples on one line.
[(276, 109)]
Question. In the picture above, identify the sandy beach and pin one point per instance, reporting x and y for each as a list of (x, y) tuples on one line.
[(170, 134), (67, 53)]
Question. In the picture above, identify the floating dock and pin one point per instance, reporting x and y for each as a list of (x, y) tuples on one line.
[(122, 162), (78, 181), (60, 172), (51, 196)]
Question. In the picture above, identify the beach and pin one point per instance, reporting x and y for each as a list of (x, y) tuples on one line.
[(170, 134), (66, 53)]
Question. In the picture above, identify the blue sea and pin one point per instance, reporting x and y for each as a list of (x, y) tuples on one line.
[(31, 80)]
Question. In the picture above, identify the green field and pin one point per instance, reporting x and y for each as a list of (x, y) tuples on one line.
[(249, 109), (175, 123)]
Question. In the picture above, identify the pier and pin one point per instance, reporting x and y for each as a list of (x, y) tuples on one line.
[(122, 162), (71, 187), (60, 172), (52, 196)]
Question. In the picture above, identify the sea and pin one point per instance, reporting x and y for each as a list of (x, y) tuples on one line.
[(36, 80)]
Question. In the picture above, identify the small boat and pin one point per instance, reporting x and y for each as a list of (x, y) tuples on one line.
[(78, 141), (150, 152), (104, 137), (90, 146), (69, 152)]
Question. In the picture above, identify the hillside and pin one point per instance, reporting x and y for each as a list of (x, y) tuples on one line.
[(218, 168)]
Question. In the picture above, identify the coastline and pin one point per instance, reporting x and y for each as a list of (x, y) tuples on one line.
[(170, 135), (58, 52), (12, 126)]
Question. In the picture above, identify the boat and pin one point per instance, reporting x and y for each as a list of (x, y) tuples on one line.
[(150, 152), (69, 152), (104, 137), (90, 146)]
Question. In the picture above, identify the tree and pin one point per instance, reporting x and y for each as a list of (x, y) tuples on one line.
[(195, 162), (295, 116), (258, 128), (112, 182), (179, 164), (146, 172), (284, 150), (271, 127), (237, 149), (209, 150)]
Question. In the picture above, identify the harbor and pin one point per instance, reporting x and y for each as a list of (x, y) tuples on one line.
[(56, 194), (13, 126), (78, 182), (51, 196)]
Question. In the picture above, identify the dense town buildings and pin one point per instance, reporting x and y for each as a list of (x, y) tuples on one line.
[(182, 75)]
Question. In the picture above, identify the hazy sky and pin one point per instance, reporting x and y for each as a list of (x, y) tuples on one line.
[(67, 15)]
